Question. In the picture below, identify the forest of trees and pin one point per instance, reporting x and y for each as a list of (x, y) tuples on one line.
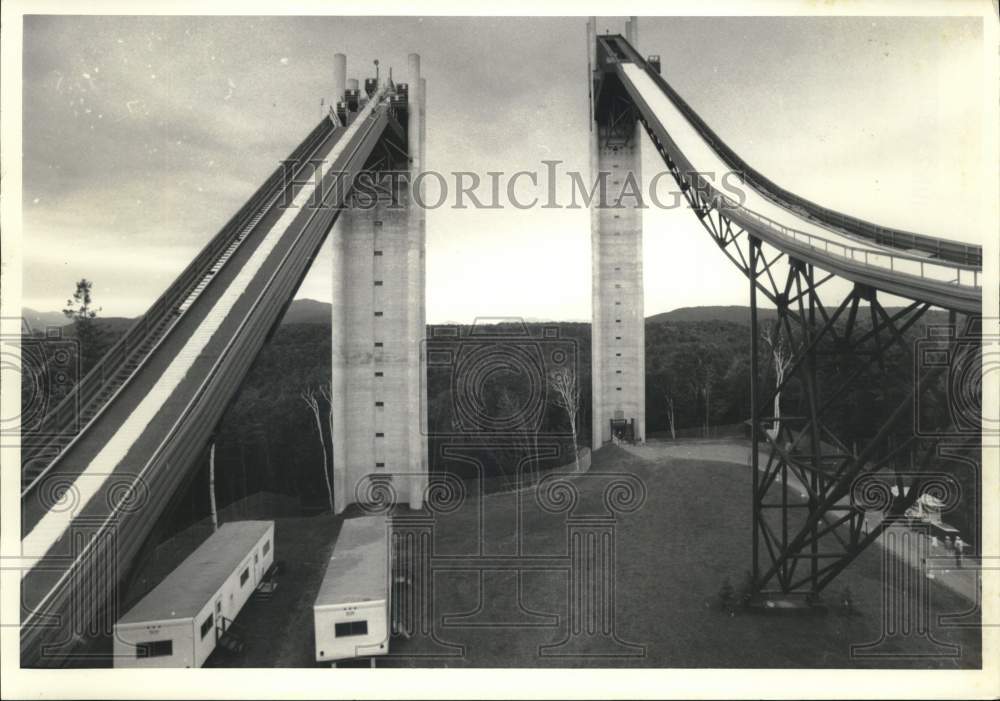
[(697, 376), (697, 382)]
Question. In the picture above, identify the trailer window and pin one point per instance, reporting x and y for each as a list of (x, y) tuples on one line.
[(267, 547), (156, 648), (206, 625), (244, 576), (351, 628)]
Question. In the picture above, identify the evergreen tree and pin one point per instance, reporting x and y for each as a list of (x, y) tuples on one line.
[(89, 333)]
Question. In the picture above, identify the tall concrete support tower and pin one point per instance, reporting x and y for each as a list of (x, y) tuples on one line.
[(339, 80), (618, 354), (416, 271), (378, 412)]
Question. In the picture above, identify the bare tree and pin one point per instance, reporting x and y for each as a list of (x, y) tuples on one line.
[(311, 397), (521, 437), (709, 382), (781, 352), (211, 486), (702, 380), (326, 392), (566, 396), (669, 397)]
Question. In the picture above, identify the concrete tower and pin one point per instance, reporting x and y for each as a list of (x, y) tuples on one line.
[(378, 319), (339, 80), (618, 325)]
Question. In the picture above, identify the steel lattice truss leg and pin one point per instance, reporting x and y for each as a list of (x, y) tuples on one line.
[(801, 544), (808, 541)]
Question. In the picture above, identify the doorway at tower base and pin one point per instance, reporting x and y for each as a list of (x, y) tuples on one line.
[(623, 431)]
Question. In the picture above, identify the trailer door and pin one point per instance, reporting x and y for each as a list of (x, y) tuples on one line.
[(220, 621)]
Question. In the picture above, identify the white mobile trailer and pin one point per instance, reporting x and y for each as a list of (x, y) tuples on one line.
[(351, 613), (179, 623)]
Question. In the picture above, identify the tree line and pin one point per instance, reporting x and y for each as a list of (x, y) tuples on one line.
[(275, 436)]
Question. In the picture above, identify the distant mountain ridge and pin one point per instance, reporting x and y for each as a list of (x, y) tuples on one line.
[(307, 311), (311, 311), (736, 314), (732, 313), (39, 322)]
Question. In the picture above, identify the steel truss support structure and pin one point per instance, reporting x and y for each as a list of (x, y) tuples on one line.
[(801, 544), (617, 128)]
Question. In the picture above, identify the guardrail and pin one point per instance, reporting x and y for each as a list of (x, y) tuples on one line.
[(945, 249), (180, 443), (64, 416), (937, 270), (917, 266)]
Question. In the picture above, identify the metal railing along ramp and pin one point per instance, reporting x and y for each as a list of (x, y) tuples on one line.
[(936, 270), (144, 414), (758, 226), (65, 423)]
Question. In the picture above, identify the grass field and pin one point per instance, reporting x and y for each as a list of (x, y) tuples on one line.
[(671, 556)]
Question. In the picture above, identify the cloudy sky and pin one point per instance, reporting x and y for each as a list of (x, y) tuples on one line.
[(142, 136)]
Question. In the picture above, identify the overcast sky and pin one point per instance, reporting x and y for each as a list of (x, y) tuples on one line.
[(143, 135)]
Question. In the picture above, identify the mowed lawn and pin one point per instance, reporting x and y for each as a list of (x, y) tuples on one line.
[(671, 557)]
